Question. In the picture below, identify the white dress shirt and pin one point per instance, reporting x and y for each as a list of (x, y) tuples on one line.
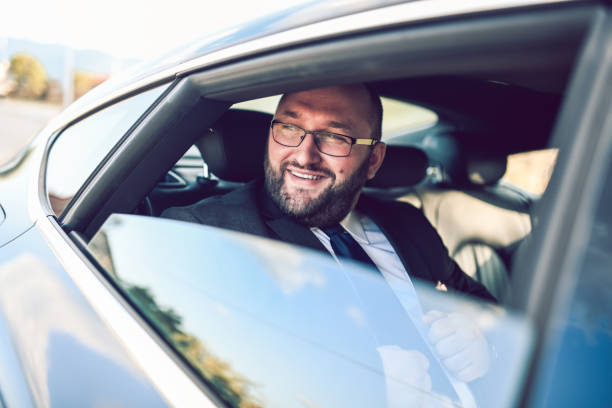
[(379, 249)]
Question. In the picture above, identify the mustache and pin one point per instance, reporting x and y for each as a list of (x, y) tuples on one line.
[(310, 167)]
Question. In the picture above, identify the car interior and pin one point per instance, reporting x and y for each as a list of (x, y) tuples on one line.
[(480, 219), (495, 98)]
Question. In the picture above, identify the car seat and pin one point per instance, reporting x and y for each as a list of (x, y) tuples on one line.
[(233, 150), (480, 219)]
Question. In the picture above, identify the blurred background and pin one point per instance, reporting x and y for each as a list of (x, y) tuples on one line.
[(53, 51)]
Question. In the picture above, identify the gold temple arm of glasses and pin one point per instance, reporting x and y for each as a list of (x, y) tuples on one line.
[(367, 142)]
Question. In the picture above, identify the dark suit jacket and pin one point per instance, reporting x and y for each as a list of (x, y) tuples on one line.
[(420, 248)]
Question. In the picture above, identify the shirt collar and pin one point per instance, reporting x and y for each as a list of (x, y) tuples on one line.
[(352, 223)]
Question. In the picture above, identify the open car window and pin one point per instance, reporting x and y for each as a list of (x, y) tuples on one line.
[(284, 326), (531, 171)]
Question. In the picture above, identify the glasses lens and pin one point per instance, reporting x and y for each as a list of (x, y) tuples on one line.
[(332, 144), (286, 134)]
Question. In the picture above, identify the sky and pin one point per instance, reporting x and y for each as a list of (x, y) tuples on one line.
[(126, 28)]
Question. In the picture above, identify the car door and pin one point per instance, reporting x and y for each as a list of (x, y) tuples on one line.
[(56, 349), (164, 369), (568, 290)]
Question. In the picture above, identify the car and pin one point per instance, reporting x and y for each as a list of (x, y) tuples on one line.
[(103, 302)]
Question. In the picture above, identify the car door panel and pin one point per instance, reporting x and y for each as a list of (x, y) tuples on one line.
[(65, 352)]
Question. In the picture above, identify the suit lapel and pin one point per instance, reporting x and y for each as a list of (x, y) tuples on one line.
[(292, 232), (400, 233), (394, 224)]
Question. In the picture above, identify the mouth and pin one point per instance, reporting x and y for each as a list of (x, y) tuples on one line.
[(305, 176)]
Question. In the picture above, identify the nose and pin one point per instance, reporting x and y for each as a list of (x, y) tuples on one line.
[(307, 152)]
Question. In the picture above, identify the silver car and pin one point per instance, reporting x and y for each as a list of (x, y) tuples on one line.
[(104, 303)]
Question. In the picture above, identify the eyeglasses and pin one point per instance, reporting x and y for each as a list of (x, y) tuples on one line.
[(331, 144)]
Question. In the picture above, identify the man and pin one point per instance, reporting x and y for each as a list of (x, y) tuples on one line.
[(324, 144)]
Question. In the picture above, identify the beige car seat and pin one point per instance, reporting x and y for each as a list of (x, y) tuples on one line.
[(480, 224)]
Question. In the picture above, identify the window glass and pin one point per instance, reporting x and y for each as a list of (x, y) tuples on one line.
[(581, 334), (265, 323), (531, 171), (81, 147), (401, 117), (398, 118)]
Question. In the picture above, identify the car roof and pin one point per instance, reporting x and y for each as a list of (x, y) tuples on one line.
[(481, 114)]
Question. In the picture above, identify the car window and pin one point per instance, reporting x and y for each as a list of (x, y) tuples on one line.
[(284, 326), (531, 171), (581, 334), (81, 147), (402, 117), (399, 117)]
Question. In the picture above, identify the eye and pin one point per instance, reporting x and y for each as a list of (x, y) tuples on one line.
[(332, 138), (288, 127), (291, 130)]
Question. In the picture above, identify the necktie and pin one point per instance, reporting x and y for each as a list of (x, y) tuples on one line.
[(345, 246)]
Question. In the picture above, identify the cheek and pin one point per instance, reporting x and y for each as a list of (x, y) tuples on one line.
[(345, 168), (338, 167), (275, 154)]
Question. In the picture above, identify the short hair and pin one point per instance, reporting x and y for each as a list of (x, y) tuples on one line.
[(377, 110)]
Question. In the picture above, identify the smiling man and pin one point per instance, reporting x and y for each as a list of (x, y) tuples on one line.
[(323, 146), (316, 175)]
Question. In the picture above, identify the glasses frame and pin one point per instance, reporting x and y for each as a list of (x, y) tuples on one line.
[(354, 140)]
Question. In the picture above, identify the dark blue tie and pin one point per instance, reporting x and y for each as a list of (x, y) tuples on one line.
[(345, 246)]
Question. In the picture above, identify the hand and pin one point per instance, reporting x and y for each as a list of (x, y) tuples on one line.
[(459, 343), (406, 377)]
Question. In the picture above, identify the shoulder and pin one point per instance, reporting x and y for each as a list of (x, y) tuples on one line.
[(218, 210), (394, 211)]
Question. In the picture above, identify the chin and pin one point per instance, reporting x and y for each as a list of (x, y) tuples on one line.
[(303, 195), (298, 205)]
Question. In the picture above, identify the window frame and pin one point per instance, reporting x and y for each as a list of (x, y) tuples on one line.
[(137, 119), (545, 274)]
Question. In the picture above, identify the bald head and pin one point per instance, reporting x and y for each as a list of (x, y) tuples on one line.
[(359, 98)]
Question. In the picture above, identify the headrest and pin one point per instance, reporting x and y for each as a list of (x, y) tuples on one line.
[(233, 148), (403, 166), (485, 170), (465, 166)]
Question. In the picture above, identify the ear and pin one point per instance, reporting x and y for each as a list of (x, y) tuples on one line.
[(376, 159)]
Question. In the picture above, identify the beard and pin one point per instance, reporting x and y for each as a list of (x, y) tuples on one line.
[(328, 208)]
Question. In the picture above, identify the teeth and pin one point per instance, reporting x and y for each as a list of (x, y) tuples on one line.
[(304, 176)]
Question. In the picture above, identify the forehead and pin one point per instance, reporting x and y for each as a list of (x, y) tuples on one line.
[(350, 106)]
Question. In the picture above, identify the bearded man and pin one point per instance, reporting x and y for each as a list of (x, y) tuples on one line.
[(323, 146)]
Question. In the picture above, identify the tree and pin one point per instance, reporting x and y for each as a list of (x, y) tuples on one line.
[(232, 387), (83, 82), (29, 76)]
